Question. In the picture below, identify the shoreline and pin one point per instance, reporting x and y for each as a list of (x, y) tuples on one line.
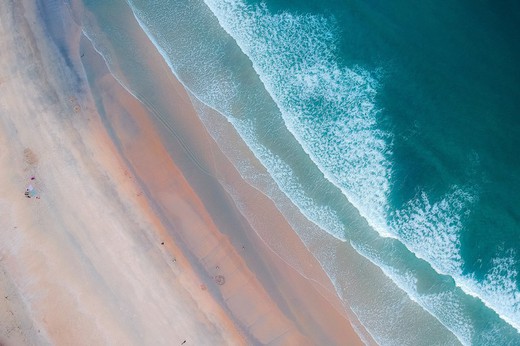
[(83, 280), (156, 251), (199, 180)]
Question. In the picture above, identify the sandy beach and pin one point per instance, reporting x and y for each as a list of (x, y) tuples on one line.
[(125, 240)]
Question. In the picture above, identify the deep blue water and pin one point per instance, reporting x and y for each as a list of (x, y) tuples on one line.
[(393, 126)]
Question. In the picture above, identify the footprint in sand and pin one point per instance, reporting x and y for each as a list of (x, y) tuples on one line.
[(220, 280), (75, 104)]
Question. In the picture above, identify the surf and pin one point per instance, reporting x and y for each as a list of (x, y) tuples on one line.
[(294, 57)]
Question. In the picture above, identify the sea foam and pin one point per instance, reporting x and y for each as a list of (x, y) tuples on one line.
[(444, 305), (328, 108)]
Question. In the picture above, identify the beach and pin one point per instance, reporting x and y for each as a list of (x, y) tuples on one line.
[(126, 238)]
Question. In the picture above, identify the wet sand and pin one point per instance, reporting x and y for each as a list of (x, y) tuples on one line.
[(116, 246)]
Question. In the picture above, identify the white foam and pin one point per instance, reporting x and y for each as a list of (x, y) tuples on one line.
[(294, 57), (499, 290), (444, 306), (431, 230), (323, 216)]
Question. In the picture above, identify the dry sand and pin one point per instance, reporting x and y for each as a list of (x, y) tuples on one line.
[(111, 251)]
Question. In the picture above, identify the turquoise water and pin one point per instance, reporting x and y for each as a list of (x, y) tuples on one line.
[(391, 126)]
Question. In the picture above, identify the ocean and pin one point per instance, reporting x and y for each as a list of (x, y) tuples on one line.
[(391, 126)]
